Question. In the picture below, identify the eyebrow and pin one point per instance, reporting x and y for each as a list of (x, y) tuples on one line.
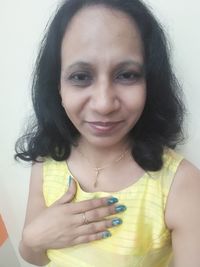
[(125, 63), (128, 63), (79, 64)]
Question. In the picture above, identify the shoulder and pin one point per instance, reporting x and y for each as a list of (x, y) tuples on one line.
[(184, 195), (53, 169), (47, 179), (36, 173), (35, 198), (171, 158), (183, 215)]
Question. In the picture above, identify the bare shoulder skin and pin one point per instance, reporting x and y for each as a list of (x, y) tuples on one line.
[(35, 206), (36, 202), (183, 215)]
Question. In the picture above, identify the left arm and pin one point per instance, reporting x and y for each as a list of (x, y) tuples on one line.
[(184, 216)]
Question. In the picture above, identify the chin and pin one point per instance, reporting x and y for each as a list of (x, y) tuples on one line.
[(105, 142)]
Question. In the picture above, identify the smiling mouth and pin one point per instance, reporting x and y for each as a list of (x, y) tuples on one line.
[(104, 127), (104, 124)]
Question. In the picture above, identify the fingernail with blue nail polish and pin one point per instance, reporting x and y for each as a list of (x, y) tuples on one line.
[(116, 221), (112, 200), (120, 208), (106, 234)]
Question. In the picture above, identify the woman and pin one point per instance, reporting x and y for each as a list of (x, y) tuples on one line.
[(106, 187)]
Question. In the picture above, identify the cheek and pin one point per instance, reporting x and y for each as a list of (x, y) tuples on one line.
[(74, 100), (71, 105), (67, 99), (69, 108), (137, 100), (67, 105)]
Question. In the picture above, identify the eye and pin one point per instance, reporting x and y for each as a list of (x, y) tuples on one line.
[(128, 77), (80, 79)]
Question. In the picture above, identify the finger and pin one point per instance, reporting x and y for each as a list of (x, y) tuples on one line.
[(100, 226), (70, 194), (97, 214), (102, 212), (92, 204), (92, 237)]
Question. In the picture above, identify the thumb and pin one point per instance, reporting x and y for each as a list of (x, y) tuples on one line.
[(71, 192)]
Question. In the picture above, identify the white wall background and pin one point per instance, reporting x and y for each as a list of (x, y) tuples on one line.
[(21, 26)]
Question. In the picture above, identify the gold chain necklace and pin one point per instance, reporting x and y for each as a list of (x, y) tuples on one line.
[(98, 169)]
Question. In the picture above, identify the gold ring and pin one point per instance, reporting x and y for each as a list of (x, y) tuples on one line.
[(85, 221)]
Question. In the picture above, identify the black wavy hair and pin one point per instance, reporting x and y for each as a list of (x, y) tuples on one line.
[(52, 133)]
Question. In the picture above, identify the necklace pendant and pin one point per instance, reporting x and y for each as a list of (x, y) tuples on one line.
[(97, 172), (95, 183), (96, 176), (98, 169)]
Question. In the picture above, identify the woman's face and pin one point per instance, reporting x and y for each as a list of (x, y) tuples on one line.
[(103, 88)]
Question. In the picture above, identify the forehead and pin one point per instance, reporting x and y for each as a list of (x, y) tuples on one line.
[(100, 31)]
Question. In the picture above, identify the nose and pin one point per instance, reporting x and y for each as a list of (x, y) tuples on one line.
[(105, 99)]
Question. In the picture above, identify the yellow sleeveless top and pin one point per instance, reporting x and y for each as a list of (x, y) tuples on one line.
[(143, 240)]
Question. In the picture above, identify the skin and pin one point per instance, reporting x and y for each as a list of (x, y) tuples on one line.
[(102, 78), (105, 98), (103, 92)]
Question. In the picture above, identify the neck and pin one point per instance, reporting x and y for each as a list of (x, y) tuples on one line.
[(100, 156)]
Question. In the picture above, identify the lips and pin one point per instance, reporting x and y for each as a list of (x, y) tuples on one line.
[(102, 127), (104, 124)]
